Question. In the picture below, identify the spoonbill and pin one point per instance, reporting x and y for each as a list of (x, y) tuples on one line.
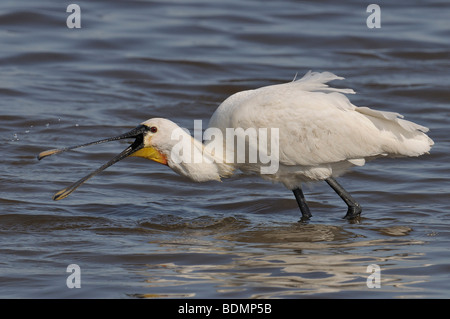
[(320, 136)]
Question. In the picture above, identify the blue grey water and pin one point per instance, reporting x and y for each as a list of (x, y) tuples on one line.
[(138, 230)]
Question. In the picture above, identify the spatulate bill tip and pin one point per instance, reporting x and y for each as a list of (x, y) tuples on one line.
[(48, 153), (62, 194)]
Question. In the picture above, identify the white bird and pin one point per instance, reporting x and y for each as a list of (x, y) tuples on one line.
[(320, 135)]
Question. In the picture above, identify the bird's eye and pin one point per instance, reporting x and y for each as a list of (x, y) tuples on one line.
[(153, 129)]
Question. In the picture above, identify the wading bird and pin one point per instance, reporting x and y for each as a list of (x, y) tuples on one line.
[(321, 135)]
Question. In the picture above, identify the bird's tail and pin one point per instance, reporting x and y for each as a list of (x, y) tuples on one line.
[(403, 138), (400, 137)]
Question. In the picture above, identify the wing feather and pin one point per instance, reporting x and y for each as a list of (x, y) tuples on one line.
[(319, 125)]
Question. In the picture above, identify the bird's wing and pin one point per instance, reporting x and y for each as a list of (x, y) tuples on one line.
[(317, 123)]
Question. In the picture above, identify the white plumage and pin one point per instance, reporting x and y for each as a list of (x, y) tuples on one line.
[(321, 135)]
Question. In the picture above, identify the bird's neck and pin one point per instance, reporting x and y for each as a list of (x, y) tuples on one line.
[(191, 158)]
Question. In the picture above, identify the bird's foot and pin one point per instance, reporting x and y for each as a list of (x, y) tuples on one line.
[(305, 218), (353, 212)]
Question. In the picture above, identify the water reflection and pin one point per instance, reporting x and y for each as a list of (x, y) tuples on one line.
[(280, 262)]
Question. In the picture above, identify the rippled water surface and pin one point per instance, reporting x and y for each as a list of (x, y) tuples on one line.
[(138, 230)]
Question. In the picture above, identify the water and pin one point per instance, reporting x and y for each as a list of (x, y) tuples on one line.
[(140, 231)]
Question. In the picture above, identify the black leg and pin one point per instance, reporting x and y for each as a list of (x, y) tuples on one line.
[(306, 214), (354, 209)]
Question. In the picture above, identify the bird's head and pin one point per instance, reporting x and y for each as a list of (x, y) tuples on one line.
[(152, 141)]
